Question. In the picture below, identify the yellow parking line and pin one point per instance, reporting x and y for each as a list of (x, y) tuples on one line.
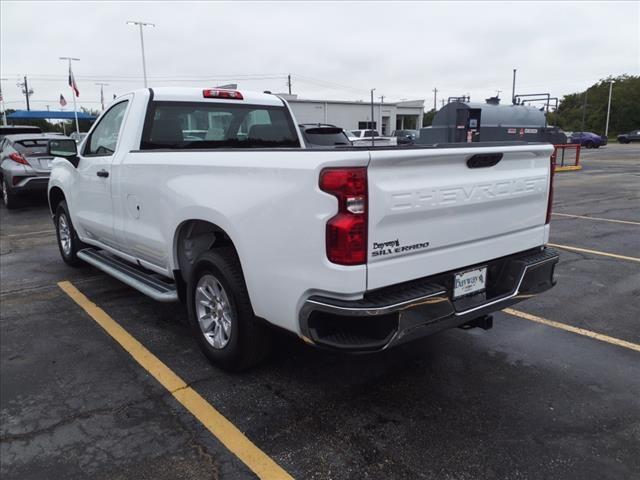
[(225, 431), (595, 252), (627, 222), (568, 168), (569, 328)]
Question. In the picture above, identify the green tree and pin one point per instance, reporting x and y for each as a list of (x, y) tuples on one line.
[(625, 107), (427, 118)]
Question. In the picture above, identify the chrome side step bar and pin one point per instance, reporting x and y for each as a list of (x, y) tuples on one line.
[(136, 278)]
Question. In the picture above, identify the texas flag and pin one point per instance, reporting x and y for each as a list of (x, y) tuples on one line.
[(72, 82), (63, 102)]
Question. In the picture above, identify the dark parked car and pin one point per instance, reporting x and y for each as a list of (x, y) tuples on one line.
[(633, 136), (406, 137), (588, 139), (24, 164), (16, 129), (319, 135)]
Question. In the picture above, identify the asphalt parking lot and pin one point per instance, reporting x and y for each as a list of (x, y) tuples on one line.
[(525, 400)]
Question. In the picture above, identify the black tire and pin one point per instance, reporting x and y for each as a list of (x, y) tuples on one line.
[(8, 198), (249, 339), (589, 144), (69, 254)]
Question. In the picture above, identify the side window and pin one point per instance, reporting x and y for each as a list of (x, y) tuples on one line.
[(104, 137)]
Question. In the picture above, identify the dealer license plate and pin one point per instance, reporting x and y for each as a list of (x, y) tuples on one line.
[(471, 281)]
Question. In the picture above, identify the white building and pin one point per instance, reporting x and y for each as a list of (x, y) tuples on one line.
[(357, 115)]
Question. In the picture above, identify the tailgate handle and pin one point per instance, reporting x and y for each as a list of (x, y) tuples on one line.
[(483, 160)]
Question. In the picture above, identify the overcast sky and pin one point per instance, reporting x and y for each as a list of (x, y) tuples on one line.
[(333, 50)]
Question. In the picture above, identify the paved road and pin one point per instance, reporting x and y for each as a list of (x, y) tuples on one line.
[(522, 400)]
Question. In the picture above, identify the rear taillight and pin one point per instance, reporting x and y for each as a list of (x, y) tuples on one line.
[(217, 93), (347, 230), (550, 197), (16, 157)]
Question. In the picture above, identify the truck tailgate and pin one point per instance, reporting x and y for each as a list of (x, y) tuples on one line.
[(429, 212)]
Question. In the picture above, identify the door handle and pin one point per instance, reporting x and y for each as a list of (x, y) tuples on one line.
[(102, 173)]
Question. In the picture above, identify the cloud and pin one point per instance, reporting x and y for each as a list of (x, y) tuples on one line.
[(336, 50)]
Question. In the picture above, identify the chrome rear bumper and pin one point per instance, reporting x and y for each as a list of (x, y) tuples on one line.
[(403, 312)]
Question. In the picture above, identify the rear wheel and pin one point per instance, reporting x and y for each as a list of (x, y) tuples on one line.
[(8, 197), (220, 312), (589, 144), (68, 242)]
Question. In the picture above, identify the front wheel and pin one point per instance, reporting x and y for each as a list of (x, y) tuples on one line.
[(68, 242), (220, 312)]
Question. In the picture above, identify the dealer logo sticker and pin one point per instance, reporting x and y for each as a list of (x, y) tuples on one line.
[(393, 247)]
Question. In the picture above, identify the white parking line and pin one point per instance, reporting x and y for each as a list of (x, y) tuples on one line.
[(627, 222), (29, 234), (572, 329), (594, 252)]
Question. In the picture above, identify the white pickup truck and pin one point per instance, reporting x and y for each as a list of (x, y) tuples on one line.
[(350, 248)]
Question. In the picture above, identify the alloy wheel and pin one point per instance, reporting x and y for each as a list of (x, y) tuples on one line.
[(213, 311)]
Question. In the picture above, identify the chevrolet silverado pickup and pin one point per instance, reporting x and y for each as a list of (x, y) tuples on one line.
[(351, 248)]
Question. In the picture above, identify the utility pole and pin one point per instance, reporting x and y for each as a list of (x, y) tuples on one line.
[(4, 110), (435, 98), (381, 97), (372, 142), (584, 110), (102, 85), (26, 91), (73, 91), (289, 83), (606, 128), (513, 88), (142, 24), (442, 102)]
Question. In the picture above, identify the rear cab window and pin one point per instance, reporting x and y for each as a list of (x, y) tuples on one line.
[(199, 125)]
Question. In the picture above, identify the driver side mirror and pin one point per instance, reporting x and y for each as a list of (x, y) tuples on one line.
[(65, 148)]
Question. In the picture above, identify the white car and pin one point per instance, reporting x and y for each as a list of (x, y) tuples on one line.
[(367, 138), (356, 249)]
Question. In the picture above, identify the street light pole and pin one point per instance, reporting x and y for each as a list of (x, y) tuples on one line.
[(372, 128), (142, 24), (73, 92), (606, 128)]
